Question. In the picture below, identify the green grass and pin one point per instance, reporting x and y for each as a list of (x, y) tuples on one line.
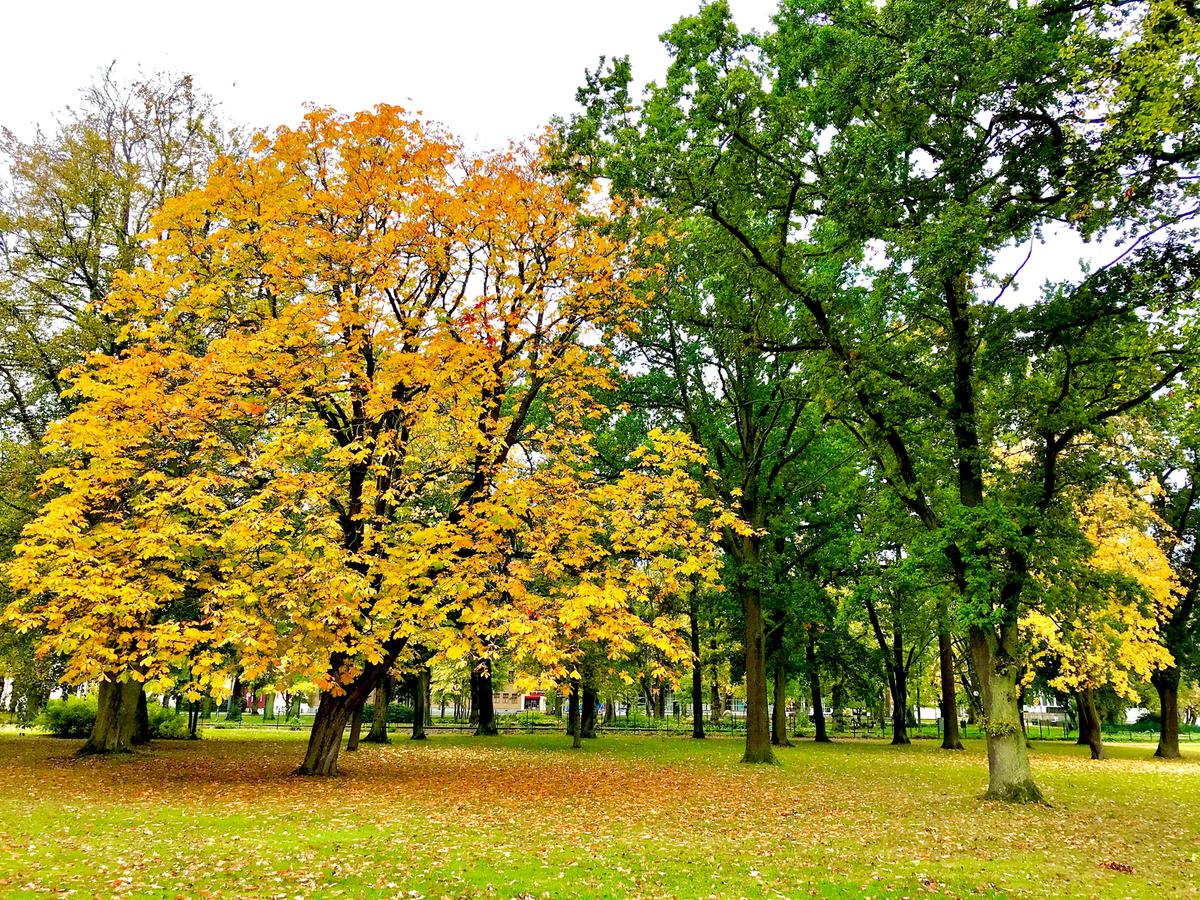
[(524, 815)]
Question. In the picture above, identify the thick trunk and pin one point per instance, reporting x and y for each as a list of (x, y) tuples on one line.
[(779, 735), (419, 698), (697, 669), (141, 728), (269, 706), (379, 720), (758, 728), (356, 718), (573, 717), (1166, 682), (485, 722), (587, 722), (1009, 775), (950, 736), (1089, 723), (333, 713), (814, 680), (116, 718)]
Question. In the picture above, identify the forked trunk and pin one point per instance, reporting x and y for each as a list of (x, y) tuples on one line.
[(379, 719), (758, 728), (356, 718), (587, 721), (1009, 775), (141, 728), (116, 718), (1089, 723), (325, 739), (951, 740), (1166, 682), (814, 679), (779, 735)]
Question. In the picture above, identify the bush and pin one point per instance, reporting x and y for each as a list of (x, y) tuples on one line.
[(70, 718), (166, 723), (397, 713)]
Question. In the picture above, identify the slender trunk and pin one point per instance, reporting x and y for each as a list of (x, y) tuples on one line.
[(610, 710), (194, 720), (758, 728), (839, 706), (419, 698), (379, 718), (660, 701), (697, 669), (814, 680), (356, 718), (1009, 775), (714, 700), (1089, 723), (587, 723), (116, 718), (573, 717), (950, 736), (899, 690), (141, 728), (485, 722), (779, 735), (1166, 682)]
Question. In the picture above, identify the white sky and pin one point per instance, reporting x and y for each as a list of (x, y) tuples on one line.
[(491, 71)]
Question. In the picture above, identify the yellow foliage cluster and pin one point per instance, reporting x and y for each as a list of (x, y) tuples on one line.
[(354, 411)]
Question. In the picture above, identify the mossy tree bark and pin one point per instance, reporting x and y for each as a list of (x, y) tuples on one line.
[(379, 721), (1009, 776)]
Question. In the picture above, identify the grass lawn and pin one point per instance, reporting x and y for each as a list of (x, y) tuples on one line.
[(525, 816)]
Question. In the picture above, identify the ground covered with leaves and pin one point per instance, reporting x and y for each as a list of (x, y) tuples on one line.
[(525, 816)]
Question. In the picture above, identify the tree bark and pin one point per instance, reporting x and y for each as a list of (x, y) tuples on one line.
[(697, 668), (587, 722), (356, 718), (419, 697), (951, 740), (1009, 776), (116, 718), (1166, 682), (485, 722), (714, 700), (779, 735), (1089, 723), (758, 728), (141, 728), (814, 680), (333, 713), (379, 719), (573, 717)]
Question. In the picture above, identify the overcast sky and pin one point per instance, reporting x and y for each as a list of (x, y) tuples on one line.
[(491, 71)]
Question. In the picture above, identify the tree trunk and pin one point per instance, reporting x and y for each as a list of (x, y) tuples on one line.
[(194, 720), (610, 710), (660, 701), (473, 712), (714, 700), (1009, 775), (419, 697), (758, 729), (141, 729), (116, 718), (1089, 723), (697, 669), (1166, 682), (333, 712), (485, 723), (587, 722), (269, 706), (814, 680), (779, 735), (573, 717), (950, 736), (356, 718), (379, 720)]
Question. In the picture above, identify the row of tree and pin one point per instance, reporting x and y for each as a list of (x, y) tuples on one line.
[(737, 361)]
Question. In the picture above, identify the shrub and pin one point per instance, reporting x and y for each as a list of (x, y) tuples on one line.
[(397, 713), (70, 718), (166, 723)]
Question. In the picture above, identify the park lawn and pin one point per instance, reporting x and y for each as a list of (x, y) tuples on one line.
[(525, 815)]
